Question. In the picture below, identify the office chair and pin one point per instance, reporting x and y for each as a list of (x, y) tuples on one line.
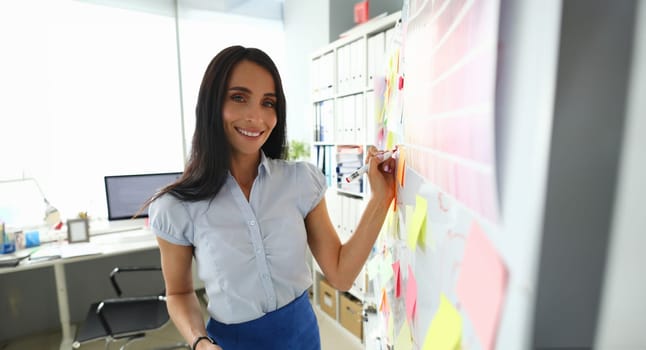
[(128, 318)]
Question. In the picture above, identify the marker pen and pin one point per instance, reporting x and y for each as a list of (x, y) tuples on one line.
[(357, 173)]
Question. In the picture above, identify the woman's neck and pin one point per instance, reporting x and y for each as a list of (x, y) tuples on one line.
[(244, 168)]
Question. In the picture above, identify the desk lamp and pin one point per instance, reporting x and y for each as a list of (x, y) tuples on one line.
[(52, 216), (16, 187)]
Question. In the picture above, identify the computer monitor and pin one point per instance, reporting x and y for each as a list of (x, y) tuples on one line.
[(126, 194)]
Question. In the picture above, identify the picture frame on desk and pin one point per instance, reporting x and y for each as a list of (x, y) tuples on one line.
[(78, 230)]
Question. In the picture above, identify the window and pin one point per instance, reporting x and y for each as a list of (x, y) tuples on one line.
[(92, 90)]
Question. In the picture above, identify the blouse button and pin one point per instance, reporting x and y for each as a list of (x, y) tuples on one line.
[(252, 223)]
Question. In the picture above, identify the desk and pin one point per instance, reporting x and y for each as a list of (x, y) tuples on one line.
[(109, 244)]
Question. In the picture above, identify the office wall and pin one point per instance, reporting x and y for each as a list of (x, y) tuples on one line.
[(526, 78), (622, 313), (306, 27), (594, 63)]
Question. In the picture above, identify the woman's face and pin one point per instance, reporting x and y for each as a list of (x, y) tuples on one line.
[(249, 111)]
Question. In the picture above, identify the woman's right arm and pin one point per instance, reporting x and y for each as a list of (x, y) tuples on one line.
[(183, 306)]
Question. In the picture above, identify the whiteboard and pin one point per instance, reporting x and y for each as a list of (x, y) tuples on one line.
[(454, 105)]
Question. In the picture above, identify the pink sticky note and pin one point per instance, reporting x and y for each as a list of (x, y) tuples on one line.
[(481, 285), (411, 295), (397, 279)]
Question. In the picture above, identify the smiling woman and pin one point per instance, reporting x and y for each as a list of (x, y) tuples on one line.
[(247, 216), (249, 113)]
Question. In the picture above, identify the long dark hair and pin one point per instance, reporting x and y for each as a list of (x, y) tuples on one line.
[(210, 156)]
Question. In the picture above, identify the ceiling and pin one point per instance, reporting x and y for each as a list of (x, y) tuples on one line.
[(270, 9)]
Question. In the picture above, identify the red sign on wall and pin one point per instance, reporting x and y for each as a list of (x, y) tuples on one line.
[(361, 12)]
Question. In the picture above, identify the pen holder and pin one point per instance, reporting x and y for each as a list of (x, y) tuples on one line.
[(8, 241)]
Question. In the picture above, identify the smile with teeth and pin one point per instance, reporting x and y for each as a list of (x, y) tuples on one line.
[(249, 133)]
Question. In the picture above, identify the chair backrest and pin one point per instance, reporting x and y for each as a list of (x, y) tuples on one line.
[(118, 270), (125, 316)]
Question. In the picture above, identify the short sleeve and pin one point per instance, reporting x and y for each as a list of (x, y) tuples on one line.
[(316, 186), (170, 220)]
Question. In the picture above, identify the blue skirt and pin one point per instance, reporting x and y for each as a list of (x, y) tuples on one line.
[(293, 326)]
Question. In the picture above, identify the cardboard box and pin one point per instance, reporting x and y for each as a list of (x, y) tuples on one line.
[(351, 315), (327, 298)]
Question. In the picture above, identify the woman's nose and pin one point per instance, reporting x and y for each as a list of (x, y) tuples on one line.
[(253, 112)]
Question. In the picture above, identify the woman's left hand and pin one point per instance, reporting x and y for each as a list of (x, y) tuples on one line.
[(381, 175)]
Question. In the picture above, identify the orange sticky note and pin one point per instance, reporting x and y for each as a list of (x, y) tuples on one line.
[(383, 307), (401, 165)]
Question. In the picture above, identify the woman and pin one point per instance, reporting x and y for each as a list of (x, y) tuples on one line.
[(247, 216)]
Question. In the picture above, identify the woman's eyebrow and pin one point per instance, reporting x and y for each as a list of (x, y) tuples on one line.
[(240, 88), (244, 89)]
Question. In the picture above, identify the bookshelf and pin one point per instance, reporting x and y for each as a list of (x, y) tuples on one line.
[(343, 76)]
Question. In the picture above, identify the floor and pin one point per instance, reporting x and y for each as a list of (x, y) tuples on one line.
[(333, 337)]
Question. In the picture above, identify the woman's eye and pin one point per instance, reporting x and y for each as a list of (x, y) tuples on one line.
[(270, 104), (237, 98)]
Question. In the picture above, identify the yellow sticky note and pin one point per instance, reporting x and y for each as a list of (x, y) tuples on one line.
[(445, 330), (411, 235), (417, 225), (392, 222), (391, 327), (390, 140), (404, 339)]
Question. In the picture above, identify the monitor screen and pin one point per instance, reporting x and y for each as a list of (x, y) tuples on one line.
[(127, 193)]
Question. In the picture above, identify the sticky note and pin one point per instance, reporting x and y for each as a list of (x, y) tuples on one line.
[(411, 235), (390, 140), (481, 285), (391, 327), (404, 339), (417, 225), (397, 279), (383, 305), (401, 165), (411, 295), (445, 330)]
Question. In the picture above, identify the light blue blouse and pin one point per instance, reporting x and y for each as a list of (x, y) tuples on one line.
[(251, 255)]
